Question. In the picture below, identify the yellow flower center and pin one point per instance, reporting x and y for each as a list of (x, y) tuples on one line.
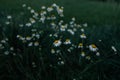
[(94, 46), (67, 40), (80, 44), (83, 34), (56, 41)]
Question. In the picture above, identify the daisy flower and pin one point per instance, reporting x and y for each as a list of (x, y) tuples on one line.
[(57, 43), (83, 36), (93, 47), (80, 45), (67, 41)]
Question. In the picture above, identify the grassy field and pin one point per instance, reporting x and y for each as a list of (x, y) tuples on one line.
[(86, 47), (85, 11)]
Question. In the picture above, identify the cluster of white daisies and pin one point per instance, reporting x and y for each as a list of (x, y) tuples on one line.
[(47, 16)]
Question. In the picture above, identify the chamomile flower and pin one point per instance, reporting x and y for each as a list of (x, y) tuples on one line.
[(88, 57), (28, 24), (30, 44), (52, 51), (29, 8), (32, 11), (83, 54), (53, 17), (6, 52), (36, 43), (32, 20), (73, 19), (80, 45), (82, 30), (63, 28), (9, 17), (49, 9), (28, 38), (67, 41), (83, 36), (43, 7), (24, 5), (61, 63), (97, 54), (54, 5), (7, 22), (71, 31), (57, 43), (114, 49), (85, 25), (93, 47)]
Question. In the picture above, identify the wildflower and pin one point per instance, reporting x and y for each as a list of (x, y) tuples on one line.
[(37, 36), (28, 38), (60, 22), (70, 31), (32, 20), (36, 15), (7, 22), (62, 28), (3, 41), (82, 54), (53, 17), (80, 45), (9, 17), (60, 11), (61, 63), (79, 26), (55, 35), (6, 52), (22, 38), (43, 7), (36, 43), (93, 47), (21, 25), (73, 19), (28, 24), (29, 8), (85, 25), (74, 29), (24, 5), (52, 51), (49, 9), (33, 30), (42, 19), (88, 57), (113, 48), (53, 24), (57, 43), (67, 41), (1, 45), (83, 36), (99, 40), (18, 36), (11, 48), (97, 54), (54, 5), (32, 11), (50, 35), (82, 30), (58, 51)]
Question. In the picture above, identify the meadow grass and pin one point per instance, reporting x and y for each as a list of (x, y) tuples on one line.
[(32, 48)]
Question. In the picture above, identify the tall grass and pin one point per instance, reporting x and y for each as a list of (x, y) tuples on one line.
[(43, 45)]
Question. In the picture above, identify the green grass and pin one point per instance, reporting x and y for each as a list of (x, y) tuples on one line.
[(103, 24)]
